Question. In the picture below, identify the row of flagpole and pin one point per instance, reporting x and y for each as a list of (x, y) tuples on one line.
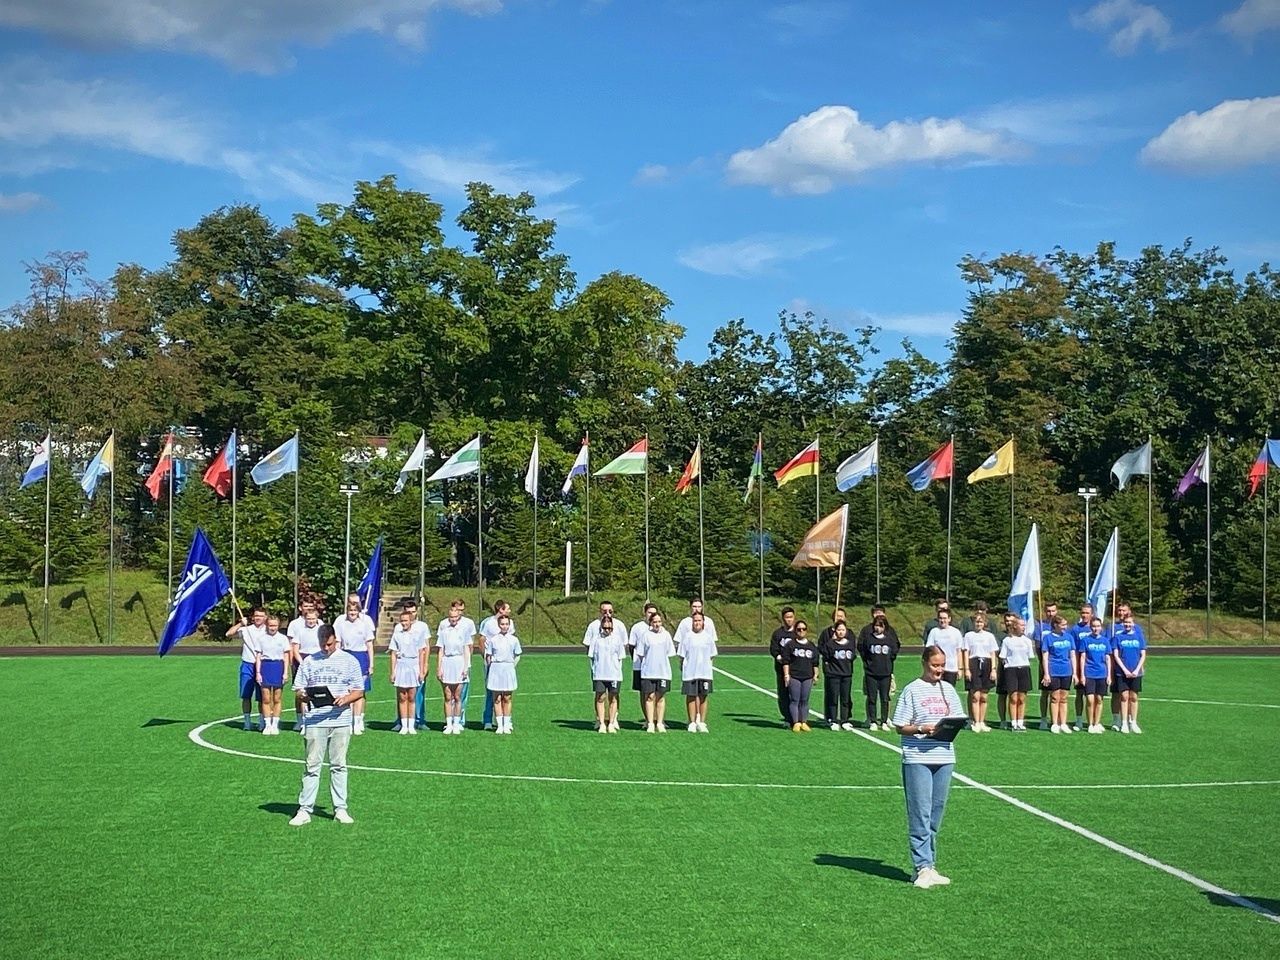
[(221, 476)]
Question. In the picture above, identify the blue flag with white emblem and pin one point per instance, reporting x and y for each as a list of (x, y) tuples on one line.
[(202, 588), (370, 589)]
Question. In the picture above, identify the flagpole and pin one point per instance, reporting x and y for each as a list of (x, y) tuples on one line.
[(1208, 536), (1151, 469), (647, 593), (297, 469), (1266, 450), (587, 478), (533, 611), (172, 451), (235, 459), (48, 483), (951, 485), (702, 552), (479, 522), (422, 526), (817, 516), (760, 531), (111, 544), (877, 517)]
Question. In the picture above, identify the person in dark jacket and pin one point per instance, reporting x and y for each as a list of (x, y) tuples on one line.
[(878, 647), (781, 637)]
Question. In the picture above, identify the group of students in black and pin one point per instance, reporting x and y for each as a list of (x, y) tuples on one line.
[(799, 661)]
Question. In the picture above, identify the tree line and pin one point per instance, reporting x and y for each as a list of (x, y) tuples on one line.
[(362, 320)]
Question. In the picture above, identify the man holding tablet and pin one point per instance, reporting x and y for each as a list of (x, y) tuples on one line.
[(329, 682)]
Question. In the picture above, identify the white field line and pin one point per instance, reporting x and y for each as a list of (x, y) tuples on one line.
[(1210, 703), (1075, 828)]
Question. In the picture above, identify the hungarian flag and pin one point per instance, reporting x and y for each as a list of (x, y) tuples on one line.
[(631, 463), (803, 464), (156, 480), (692, 470), (220, 471)]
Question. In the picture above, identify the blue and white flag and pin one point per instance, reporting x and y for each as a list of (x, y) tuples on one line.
[(280, 462), (865, 463), (1027, 580), (1134, 462), (370, 589), (102, 463), (39, 468), (1104, 581), (202, 588), (579, 469), (414, 463)]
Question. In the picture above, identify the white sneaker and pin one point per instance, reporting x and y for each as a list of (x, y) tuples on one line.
[(1124, 728), (1055, 729), (873, 727), (342, 816), (924, 878), (1098, 728), (847, 726), (358, 731), (448, 729), (702, 727), (939, 880), (300, 819), (404, 731), (602, 728), (413, 731), (662, 728), (1066, 729), (650, 728), (1115, 727), (1134, 728), (835, 727), (693, 727), (613, 727)]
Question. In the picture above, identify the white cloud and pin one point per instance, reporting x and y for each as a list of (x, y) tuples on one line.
[(1235, 133), (808, 18), (1056, 122), (653, 173), (926, 324), (451, 171), (19, 202), (1251, 18), (1128, 22), (833, 145), (249, 34), (751, 256)]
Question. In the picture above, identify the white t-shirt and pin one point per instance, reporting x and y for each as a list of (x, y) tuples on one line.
[(638, 630), (606, 655), (452, 640), (685, 627), (489, 627), (948, 640), (408, 643), (981, 644), (1016, 651), (272, 646), (593, 630), (655, 650), (696, 652), (353, 635), (249, 642), (307, 638)]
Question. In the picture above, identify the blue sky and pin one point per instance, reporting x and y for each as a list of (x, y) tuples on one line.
[(744, 156)]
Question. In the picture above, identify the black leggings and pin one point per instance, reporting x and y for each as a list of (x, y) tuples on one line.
[(876, 688), (799, 699), (784, 695), (837, 699)]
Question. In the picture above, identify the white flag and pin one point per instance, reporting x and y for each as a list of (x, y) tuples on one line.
[(1104, 582), (579, 468), (531, 475), (865, 463), (465, 461), (1135, 461), (1027, 580), (414, 463)]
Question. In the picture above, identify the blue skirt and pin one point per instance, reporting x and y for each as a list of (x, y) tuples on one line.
[(272, 673), (362, 658)]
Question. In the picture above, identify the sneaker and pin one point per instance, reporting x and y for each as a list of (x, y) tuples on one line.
[(396, 727), (1054, 729), (1115, 727), (300, 819), (662, 728), (873, 726), (924, 878), (1007, 725), (489, 726), (613, 727), (1134, 728), (796, 728), (1044, 724), (342, 816), (847, 726), (693, 727), (1078, 726), (1066, 729), (1097, 728), (601, 728), (702, 727), (650, 728), (403, 731), (1124, 728), (358, 731), (297, 726), (805, 727), (939, 880), (835, 727), (413, 731)]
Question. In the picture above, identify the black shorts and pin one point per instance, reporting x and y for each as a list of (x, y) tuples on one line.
[(1060, 683), (696, 688), (1015, 680), (1095, 686), (635, 680), (648, 686), (606, 686), (979, 675), (950, 676), (1129, 684)]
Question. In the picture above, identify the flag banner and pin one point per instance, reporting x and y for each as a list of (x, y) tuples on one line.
[(865, 463), (938, 466), (531, 475), (462, 463), (1268, 456), (280, 462), (413, 464), (1104, 581), (579, 469), (692, 470), (1134, 462), (39, 468), (218, 475), (803, 464), (824, 543), (757, 468), (1027, 580), (103, 462), (370, 589), (999, 464), (1198, 472), (202, 587), (162, 468), (631, 463)]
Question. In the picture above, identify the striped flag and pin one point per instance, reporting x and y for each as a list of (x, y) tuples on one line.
[(631, 463), (692, 470), (579, 468), (803, 464), (162, 468), (465, 461), (757, 467)]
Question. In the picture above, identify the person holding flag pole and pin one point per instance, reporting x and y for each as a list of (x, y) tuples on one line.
[(39, 470), (939, 465), (104, 462)]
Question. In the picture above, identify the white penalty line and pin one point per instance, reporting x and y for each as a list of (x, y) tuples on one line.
[(1075, 828)]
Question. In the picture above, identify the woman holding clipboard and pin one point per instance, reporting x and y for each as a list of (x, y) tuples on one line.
[(928, 715)]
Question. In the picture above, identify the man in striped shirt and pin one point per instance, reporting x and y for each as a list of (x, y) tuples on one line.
[(327, 728)]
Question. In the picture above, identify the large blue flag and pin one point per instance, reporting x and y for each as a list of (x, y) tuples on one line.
[(202, 587), (280, 462), (370, 589)]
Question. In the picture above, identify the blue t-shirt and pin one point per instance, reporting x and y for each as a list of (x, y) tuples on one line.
[(1131, 642), (1096, 650), (1060, 646)]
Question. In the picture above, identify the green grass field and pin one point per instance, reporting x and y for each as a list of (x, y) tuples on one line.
[(126, 838)]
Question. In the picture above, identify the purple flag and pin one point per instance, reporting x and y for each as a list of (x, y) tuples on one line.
[(1198, 473)]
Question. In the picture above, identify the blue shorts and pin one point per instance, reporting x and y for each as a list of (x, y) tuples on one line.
[(362, 658), (248, 682), (273, 673)]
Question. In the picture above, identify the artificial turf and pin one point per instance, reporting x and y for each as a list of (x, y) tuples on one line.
[(124, 838)]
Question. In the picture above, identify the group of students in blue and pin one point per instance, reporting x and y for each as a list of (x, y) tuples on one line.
[(268, 655)]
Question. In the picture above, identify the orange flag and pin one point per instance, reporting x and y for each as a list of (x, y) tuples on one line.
[(162, 469), (824, 543), (692, 470)]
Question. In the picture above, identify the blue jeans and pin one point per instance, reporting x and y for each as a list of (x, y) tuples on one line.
[(926, 787), (420, 705)]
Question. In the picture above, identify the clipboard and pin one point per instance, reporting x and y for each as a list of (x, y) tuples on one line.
[(320, 696), (948, 727)]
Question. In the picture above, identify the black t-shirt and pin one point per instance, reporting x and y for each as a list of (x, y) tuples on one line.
[(801, 658), (780, 638), (829, 633), (878, 653), (837, 658)]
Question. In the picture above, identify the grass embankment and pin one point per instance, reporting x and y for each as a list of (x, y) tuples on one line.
[(78, 615)]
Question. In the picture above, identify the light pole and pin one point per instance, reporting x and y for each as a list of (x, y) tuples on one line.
[(350, 490), (1087, 494)]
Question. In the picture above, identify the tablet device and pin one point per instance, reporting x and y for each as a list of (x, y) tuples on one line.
[(323, 697), (948, 727)]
